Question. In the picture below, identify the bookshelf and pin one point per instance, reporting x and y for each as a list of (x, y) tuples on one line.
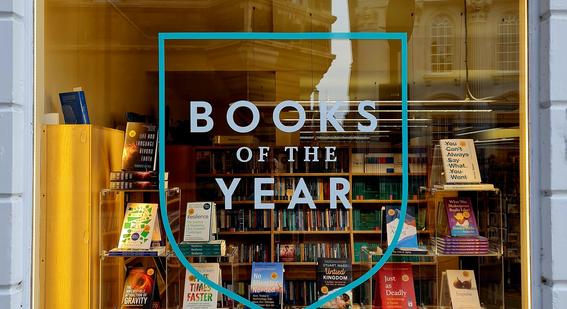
[(211, 162)]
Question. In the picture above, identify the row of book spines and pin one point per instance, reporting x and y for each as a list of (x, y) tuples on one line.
[(383, 190), (291, 220), (309, 252), (243, 220), (319, 189), (253, 252), (300, 293)]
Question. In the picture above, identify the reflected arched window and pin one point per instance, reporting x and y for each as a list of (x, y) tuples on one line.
[(507, 47), (442, 30)]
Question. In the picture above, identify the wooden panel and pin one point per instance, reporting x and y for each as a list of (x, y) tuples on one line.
[(78, 159)]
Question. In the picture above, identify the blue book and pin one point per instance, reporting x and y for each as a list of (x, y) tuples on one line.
[(74, 107), (266, 287), (408, 237)]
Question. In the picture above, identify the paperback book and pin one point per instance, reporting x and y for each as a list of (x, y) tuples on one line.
[(266, 288), (333, 274), (140, 147), (460, 216), (200, 222), (408, 237), (463, 289), (394, 286), (198, 295), (140, 289), (138, 227)]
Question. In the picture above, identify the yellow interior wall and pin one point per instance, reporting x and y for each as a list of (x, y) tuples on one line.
[(98, 49)]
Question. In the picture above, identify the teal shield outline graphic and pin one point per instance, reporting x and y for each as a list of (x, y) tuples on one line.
[(402, 37)]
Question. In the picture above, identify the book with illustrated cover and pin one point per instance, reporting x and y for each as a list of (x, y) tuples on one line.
[(200, 221), (463, 289), (408, 237), (394, 286), (287, 252), (140, 289), (74, 107), (333, 274), (198, 295), (138, 226), (267, 283), (460, 216), (140, 147)]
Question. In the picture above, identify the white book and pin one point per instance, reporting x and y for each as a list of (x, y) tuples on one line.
[(138, 226), (197, 295), (200, 223), (463, 289), (459, 161)]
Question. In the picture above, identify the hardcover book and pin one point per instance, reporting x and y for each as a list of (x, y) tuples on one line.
[(198, 295), (333, 274), (138, 226), (74, 107), (199, 221), (140, 147), (394, 286), (139, 289), (463, 289), (287, 252), (408, 237), (266, 288), (460, 216)]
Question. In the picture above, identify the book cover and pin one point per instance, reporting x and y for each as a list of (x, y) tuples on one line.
[(459, 161), (333, 274), (198, 295), (408, 237), (394, 286), (460, 216), (139, 288), (199, 221), (287, 252), (463, 289), (74, 107), (266, 288), (140, 147), (138, 226)]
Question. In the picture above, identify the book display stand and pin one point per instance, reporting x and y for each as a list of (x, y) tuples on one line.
[(169, 272)]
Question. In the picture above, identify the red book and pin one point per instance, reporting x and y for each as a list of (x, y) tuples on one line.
[(394, 287)]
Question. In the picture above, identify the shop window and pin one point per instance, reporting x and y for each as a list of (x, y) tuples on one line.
[(442, 30), (507, 52)]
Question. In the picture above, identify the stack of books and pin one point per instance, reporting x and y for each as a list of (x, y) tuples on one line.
[(135, 180), (461, 245)]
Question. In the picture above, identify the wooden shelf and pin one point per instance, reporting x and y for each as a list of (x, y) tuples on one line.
[(386, 201), (385, 174), (310, 232), (227, 233)]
